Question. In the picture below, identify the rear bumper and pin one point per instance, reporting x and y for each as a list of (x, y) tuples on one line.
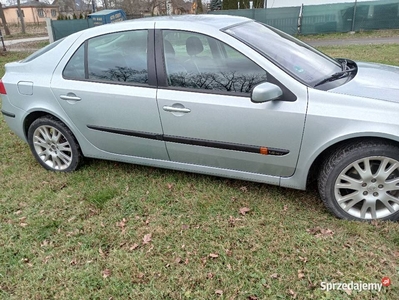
[(13, 117)]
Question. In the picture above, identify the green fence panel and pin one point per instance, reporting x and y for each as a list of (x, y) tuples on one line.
[(377, 15), (351, 16), (63, 28), (326, 18), (285, 18), (234, 12)]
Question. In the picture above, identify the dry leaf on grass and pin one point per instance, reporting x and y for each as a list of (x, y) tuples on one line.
[(213, 255), (133, 247), (320, 232), (292, 293), (147, 239), (122, 225), (303, 259), (232, 221), (22, 222), (102, 254), (244, 210), (106, 273), (348, 291), (178, 260)]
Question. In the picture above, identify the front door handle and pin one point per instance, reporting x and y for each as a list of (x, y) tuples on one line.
[(70, 97), (176, 109)]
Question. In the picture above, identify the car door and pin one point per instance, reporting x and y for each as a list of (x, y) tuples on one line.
[(108, 90), (207, 114)]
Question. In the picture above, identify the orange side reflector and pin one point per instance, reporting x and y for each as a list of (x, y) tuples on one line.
[(263, 150)]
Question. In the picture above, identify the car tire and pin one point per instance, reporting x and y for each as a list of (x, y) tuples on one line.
[(53, 145), (360, 181)]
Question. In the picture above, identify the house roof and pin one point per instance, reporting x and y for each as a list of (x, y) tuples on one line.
[(33, 3)]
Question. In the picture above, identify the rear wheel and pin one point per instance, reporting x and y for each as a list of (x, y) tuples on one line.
[(361, 181), (54, 145)]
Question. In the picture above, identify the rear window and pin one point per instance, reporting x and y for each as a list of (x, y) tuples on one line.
[(41, 51)]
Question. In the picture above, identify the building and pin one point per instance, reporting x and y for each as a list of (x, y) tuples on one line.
[(32, 11)]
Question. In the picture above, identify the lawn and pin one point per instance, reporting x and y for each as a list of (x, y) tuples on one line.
[(120, 231)]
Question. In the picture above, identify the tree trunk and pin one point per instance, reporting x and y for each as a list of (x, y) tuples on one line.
[(3, 20), (21, 17)]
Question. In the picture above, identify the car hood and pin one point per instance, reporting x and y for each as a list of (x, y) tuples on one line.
[(373, 81)]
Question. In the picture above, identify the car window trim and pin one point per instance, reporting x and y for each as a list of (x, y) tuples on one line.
[(160, 61), (204, 91), (85, 57), (151, 67)]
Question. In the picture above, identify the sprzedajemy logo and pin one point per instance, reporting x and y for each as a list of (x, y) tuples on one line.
[(355, 286)]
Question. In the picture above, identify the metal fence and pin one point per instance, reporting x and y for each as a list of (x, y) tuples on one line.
[(313, 19), (63, 28)]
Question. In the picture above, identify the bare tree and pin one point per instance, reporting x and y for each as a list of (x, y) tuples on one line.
[(3, 20), (10, 2), (21, 16)]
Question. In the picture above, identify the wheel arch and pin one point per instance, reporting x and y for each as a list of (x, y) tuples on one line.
[(34, 115), (31, 117), (322, 156)]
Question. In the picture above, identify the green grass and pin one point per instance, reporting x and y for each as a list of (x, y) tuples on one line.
[(80, 235), (386, 54), (352, 35)]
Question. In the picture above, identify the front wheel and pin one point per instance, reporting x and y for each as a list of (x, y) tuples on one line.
[(361, 181), (54, 145)]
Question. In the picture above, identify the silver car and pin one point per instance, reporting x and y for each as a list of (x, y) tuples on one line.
[(217, 95)]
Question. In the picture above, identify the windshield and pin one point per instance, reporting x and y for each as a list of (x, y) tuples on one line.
[(297, 58)]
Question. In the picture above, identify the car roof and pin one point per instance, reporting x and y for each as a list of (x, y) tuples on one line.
[(217, 21)]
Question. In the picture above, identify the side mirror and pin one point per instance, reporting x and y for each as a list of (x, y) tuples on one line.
[(265, 92)]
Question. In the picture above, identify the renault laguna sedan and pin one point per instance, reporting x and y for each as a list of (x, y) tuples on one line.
[(217, 95)]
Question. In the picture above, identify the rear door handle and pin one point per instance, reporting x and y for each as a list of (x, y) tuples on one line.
[(176, 109), (70, 97)]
